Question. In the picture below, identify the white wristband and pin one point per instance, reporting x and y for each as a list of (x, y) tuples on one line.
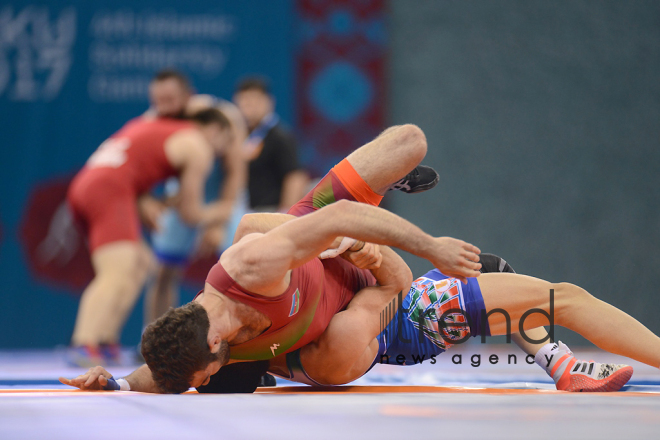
[(123, 384)]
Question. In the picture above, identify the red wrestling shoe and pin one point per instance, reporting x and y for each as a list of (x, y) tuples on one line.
[(571, 374)]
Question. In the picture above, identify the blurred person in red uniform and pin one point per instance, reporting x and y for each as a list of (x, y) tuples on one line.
[(103, 198)]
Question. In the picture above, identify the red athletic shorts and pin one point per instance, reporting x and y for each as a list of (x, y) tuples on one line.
[(342, 182), (106, 209)]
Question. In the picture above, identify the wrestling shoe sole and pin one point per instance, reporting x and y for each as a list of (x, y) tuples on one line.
[(614, 382)]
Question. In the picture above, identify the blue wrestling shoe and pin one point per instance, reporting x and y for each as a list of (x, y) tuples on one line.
[(421, 179), (87, 356), (111, 354)]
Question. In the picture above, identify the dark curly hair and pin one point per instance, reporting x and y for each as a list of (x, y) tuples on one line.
[(175, 347)]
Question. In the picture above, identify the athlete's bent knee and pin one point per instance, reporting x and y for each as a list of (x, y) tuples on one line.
[(567, 298), (415, 140), (570, 291)]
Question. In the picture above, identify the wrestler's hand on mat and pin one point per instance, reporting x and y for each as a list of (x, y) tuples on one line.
[(96, 378), (455, 258), (364, 255)]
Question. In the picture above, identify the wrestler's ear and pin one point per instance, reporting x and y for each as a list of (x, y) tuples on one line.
[(214, 343)]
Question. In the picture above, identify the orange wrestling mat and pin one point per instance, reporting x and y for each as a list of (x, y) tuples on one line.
[(502, 401), (425, 389), (335, 390)]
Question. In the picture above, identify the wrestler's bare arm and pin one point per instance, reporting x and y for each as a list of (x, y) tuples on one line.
[(364, 256), (188, 151), (150, 209), (261, 222), (97, 377), (261, 263), (348, 346), (232, 185), (141, 380), (234, 163)]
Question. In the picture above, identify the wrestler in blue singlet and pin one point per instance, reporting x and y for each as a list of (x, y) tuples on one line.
[(414, 333)]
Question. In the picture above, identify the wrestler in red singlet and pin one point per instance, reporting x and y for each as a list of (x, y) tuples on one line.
[(318, 290), (103, 194)]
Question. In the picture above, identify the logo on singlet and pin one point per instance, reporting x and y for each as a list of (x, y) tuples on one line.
[(273, 348), (295, 303)]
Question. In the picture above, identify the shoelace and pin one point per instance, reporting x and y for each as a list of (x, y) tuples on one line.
[(414, 173)]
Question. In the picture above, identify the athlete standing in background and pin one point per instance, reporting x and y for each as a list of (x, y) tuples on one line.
[(103, 199)]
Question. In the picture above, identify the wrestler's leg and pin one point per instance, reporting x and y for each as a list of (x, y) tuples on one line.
[(126, 301), (529, 343), (557, 359), (367, 173), (348, 346), (163, 292), (173, 244), (574, 308), (389, 157), (120, 269)]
